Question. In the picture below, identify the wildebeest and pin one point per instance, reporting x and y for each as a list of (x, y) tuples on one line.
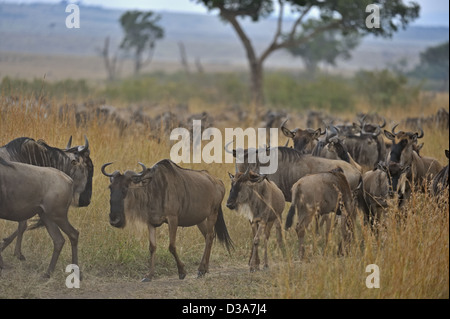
[(167, 193), (74, 161), (402, 152), (321, 193), (262, 202), (304, 140), (440, 181), (380, 185), (27, 190), (292, 165)]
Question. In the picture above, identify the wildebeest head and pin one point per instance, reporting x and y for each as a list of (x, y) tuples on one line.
[(403, 144), (81, 172), (396, 176), (304, 140), (241, 187), (119, 186)]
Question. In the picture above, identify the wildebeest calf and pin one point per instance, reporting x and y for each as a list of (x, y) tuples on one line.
[(321, 194), (382, 184), (262, 202)]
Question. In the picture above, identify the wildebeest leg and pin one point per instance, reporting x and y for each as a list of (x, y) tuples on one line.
[(152, 249), (254, 263), (18, 248), (266, 239), (254, 231), (304, 219), (8, 240), (347, 225), (279, 233), (58, 242), (207, 229), (173, 225), (72, 233)]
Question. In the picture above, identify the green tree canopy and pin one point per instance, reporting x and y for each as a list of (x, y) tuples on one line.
[(141, 32), (343, 16)]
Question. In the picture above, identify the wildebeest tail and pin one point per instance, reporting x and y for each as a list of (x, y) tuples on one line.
[(222, 232), (290, 216)]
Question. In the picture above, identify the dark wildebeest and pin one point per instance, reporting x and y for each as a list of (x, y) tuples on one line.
[(364, 142), (304, 140), (322, 193), (440, 181), (167, 193), (73, 161), (292, 166), (380, 185), (422, 169), (27, 190), (262, 202)]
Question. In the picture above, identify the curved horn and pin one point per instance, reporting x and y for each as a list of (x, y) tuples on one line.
[(393, 129), (106, 174), (421, 133), (362, 119), (377, 131), (69, 144), (384, 123), (86, 143), (82, 149), (226, 148), (283, 124), (143, 169), (247, 172)]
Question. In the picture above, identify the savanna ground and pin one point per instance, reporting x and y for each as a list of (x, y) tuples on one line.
[(411, 250)]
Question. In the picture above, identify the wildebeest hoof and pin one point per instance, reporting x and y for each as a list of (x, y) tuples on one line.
[(201, 274), (20, 257), (145, 279), (181, 276), (46, 275)]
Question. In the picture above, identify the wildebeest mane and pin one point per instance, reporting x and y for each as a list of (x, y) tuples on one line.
[(5, 163), (27, 150)]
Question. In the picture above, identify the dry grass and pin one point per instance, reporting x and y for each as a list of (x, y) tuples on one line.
[(412, 253)]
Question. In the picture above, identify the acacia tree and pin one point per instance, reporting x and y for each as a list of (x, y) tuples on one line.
[(141, 32), (344, 16)]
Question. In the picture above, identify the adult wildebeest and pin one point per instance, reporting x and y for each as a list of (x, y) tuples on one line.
[(440, 181), (304, 140), (402, 152), (380, 185), (167, 193), (292, 165), (27, 190), (73, 161), (321, 193), (262, 202)]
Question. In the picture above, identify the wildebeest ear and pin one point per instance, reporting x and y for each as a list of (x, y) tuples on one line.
[(287, 132), (389, 135), (317, 133), (231, 176)]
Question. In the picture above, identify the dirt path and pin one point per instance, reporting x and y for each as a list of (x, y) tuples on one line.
[(231, 282)]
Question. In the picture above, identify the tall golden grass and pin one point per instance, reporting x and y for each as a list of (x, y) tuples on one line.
[(411, 249)]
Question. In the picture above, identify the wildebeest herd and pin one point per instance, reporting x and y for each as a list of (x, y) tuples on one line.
[(341, 169)]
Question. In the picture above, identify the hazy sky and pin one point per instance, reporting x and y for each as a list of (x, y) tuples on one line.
[(433, 12)]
